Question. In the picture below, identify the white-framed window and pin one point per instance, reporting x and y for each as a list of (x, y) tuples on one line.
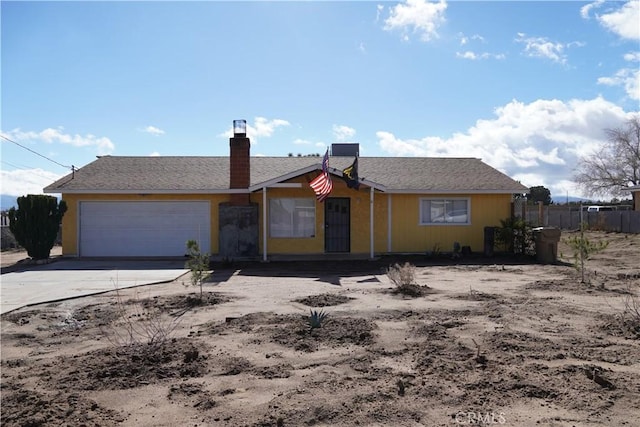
[(453, 211), (292, 217)]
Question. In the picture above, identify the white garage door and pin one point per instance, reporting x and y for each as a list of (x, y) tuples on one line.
[(143, 228)]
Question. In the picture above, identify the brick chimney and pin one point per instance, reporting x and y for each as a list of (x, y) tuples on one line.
[(240, 174)]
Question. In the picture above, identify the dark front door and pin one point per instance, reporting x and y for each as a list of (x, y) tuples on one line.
[(337, 219)]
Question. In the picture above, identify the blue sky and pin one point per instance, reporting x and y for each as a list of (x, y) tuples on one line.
[(528, 87)]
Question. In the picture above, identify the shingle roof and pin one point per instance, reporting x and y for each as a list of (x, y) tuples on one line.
[(211, 174)]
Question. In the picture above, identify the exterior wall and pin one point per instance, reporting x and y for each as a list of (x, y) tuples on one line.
[(70, 221), (410, 236), (360, 223)]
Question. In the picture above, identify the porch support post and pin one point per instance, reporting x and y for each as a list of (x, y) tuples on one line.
[(389, 223), (371, 229), (264, 224)]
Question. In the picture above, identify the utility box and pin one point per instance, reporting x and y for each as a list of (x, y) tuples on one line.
[(546, 241), (489, 240)]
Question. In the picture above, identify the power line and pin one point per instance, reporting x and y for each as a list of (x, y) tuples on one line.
[(36, 153), (26, 169), (21, 167)]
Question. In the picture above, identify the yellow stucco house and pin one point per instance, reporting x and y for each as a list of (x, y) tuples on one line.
[(264, 207)]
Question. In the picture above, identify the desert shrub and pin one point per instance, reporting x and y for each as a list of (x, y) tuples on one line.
[(401, 275), (630, 315), (404, 278), (516, 236), (137, 323)]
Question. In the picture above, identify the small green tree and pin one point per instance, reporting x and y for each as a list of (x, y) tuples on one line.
[(198, 264), (36, 222), (583, 248)]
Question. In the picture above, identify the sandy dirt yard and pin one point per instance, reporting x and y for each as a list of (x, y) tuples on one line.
[(481, 342)]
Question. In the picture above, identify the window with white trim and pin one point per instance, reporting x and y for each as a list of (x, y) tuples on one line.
[(292, 217), (444, 211)]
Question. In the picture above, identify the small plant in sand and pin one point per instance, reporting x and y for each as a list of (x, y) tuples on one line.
[(136, 324), (403, 277), (435, 251), (583, 248), (198, 264), (480, 358), (316, 318), (630, 315)]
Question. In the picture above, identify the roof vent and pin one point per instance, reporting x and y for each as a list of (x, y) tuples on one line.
[(345, 149)]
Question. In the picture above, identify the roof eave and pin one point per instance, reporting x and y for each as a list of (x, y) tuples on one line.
[(459, 191), (146, 191)]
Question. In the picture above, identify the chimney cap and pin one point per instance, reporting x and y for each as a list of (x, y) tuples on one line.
[(239, 127)]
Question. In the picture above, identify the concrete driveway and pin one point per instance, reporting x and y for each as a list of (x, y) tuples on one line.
[(70, 278)]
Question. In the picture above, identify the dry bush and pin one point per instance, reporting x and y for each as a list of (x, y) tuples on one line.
[(630, 316), (137, 323), (404, 278), (402, 275)]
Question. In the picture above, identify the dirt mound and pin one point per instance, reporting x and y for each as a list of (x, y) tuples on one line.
[(126, 367), (324, 300), (28, 408), (174, 303)]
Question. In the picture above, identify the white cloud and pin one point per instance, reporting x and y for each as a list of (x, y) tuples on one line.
[(586, 9), (465, 39), (362, 48), (154, 154), (153, 130), (21, 182), (628, 78), (379, 10), (624, 21), (474, 55), (342, 132), (541, 47), (421, 16), (537, 143), (262, 127), (632, 56), (477, 56), (50, 136)]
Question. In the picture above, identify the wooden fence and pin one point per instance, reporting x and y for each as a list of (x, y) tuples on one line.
[(569, 218)]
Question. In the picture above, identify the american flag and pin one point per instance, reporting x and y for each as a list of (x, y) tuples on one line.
[(322, 184)]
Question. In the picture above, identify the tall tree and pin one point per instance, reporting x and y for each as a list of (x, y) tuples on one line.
[(616, 166), (36, 222), (540, 194)]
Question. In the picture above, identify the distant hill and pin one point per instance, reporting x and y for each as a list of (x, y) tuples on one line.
[(561, 200), (571, 199)]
